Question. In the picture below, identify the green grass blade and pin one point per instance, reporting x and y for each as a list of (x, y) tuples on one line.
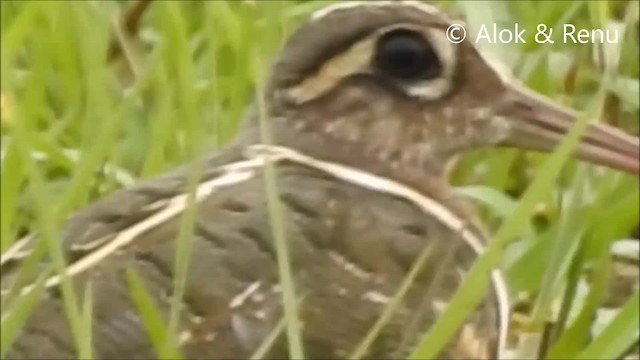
[(269, 340), (14, 317), (390, 308), (577, 334), (569, 297), (475, 283), (618, 336), (501, 205), (180, 62), (563, 248), (86, 346), (276, 221), (47, 222), (154, 323), (10, 184)]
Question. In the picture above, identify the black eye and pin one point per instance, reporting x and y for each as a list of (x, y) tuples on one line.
[(406, 55)]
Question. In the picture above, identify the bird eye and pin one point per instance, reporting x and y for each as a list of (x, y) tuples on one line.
[(406, 55)]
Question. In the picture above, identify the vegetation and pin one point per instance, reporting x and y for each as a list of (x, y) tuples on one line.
[(76, 126)]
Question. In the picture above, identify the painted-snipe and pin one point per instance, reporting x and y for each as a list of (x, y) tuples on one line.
[(367, 104)]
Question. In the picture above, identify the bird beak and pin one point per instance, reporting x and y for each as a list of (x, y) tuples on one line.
[(540, 124)]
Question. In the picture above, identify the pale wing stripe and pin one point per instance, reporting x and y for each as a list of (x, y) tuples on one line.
[(242, 171), (15, 250), (175, 206), (427, 204)]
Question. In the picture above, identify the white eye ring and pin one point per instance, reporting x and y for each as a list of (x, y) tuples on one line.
[(358, 60), (436, 88)]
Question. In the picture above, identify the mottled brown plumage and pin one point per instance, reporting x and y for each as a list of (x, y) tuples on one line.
[(338, 103)]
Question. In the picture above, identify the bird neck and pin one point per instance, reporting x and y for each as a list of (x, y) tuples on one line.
[(429, 180)]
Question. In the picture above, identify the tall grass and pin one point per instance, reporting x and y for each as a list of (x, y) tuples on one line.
[(76, 127)]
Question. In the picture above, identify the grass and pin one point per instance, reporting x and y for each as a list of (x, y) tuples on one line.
[(75, 128), (476, 281)]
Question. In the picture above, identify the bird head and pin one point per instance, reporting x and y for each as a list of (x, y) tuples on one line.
[(381, 81)]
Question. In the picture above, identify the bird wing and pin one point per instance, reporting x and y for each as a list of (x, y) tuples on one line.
[(351, 248)]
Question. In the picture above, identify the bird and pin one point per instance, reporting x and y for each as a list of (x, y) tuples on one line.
[(366, 107)]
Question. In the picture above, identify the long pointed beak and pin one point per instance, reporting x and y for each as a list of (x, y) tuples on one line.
[(539, 124)]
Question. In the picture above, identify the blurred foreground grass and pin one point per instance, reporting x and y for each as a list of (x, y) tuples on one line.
[(76, 127)]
